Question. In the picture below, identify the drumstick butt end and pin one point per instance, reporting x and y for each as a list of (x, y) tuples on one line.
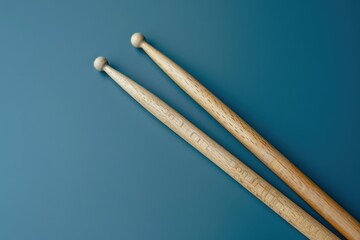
[(137, 39), (100, 63)]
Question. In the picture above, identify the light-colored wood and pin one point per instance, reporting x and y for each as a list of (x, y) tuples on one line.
[(274, 199), (272, 158)]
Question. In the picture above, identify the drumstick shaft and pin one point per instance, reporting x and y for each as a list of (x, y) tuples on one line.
[(271, 157), (274, 199)]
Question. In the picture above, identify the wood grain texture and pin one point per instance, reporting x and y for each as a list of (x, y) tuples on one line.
[(271, 157), (274, 199)]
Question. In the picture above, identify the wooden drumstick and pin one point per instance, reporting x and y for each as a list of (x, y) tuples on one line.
[(274, 199), (272, 158)]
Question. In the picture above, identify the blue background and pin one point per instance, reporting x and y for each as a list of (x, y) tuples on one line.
[(79, 159)]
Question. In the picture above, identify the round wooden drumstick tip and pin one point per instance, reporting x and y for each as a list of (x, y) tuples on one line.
[(137, 39), (100, 63)]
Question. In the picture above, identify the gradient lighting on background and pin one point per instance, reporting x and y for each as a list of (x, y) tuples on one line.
[(79, 159)]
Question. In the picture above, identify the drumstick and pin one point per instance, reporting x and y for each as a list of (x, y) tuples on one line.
[(272, 158), (274, 199)]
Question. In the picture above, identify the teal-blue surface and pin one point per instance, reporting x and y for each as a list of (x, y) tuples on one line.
[(80, 159)]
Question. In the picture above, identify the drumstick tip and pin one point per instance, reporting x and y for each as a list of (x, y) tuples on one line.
[(137, 39), (100, 63)]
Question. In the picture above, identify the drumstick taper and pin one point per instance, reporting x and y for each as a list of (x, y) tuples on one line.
[(274, 199), (269, 155)]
